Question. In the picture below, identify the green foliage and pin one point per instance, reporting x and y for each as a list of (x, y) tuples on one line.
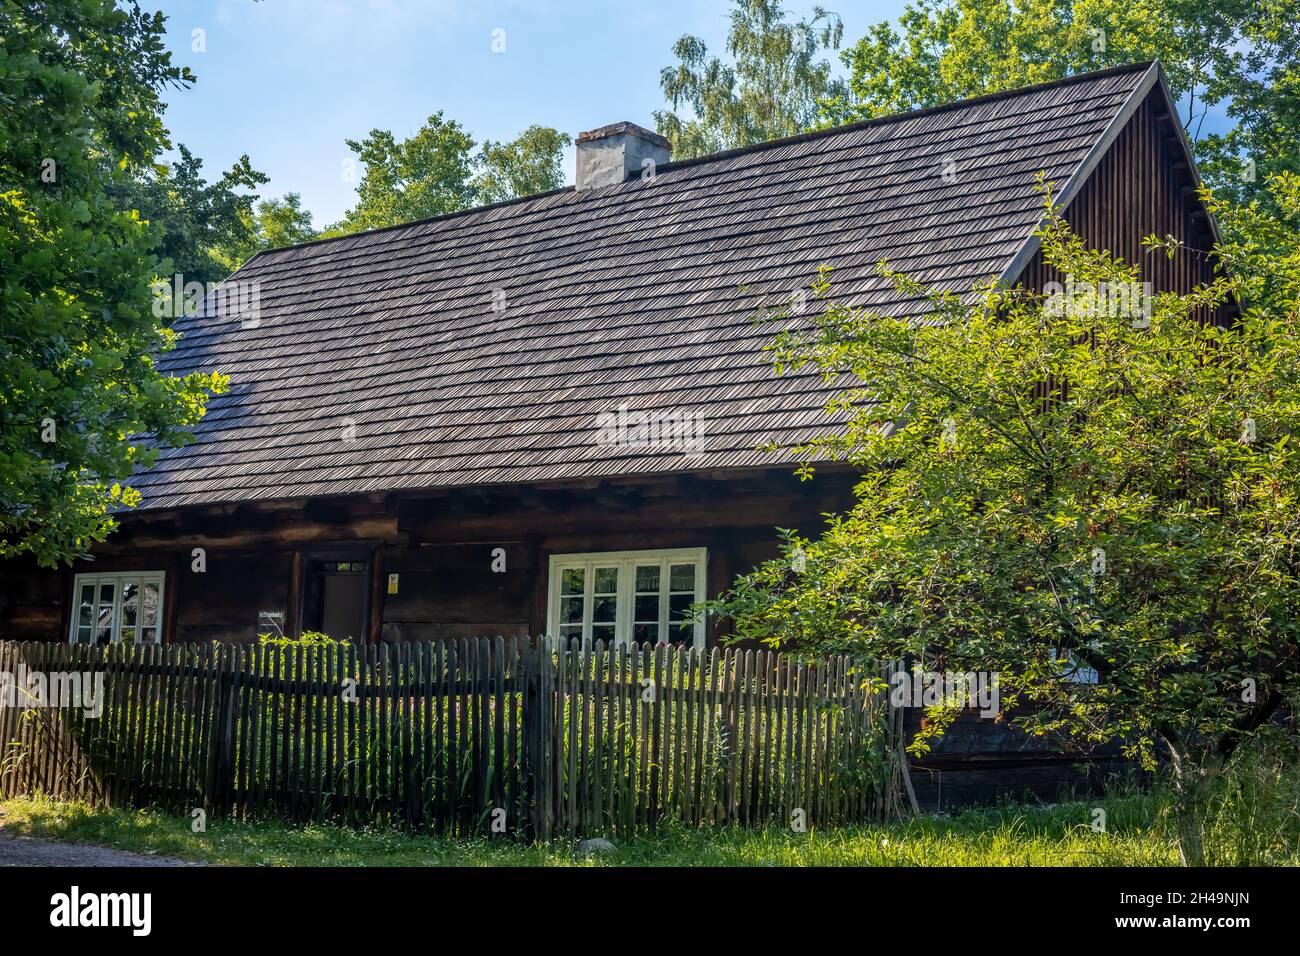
[(275, 224), (1239, 56), (305, 639), (1162, 446), (205, 231), (1261, 249), (426, 175), (1252, 809), (434, 172), (83, 405), (283, 653), (193, 221), (770, 89), (527, 165)]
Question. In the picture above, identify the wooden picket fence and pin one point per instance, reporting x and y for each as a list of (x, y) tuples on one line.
[(484, 736)]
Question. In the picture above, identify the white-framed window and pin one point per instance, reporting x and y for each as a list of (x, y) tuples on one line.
[(117, 606), (627, 596), (1077, 672)]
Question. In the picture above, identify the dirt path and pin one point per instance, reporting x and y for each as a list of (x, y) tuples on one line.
[(34, 851)]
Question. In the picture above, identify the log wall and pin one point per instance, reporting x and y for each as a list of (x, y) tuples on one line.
[(440, 546)]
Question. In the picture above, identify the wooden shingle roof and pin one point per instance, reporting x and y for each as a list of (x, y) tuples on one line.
[(482, 347)]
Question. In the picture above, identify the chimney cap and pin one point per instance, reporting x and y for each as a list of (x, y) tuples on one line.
[(616, 129)]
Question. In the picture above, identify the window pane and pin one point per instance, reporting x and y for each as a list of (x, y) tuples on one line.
[(602, 610), (150, 616), (129, 612), (130, 603), (647, 577), (571, 610), (86, 609), (104, 616), (117, 607), (681, 634), (610, 580), (606, 581), (677, 605), (270, 622), (570, 630), (343, 567), (647, 608)]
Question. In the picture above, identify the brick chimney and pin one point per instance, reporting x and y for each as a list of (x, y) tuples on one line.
[(616, 153)]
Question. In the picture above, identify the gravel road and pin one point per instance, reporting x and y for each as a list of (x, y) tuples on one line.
[(33, 851)]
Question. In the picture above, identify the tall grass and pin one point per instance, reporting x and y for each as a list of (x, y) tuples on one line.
[(1252, 815)]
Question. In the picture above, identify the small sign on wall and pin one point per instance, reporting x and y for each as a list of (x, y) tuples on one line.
[(392, 583)]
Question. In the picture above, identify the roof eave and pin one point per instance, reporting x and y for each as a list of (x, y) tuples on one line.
[(1153, 78), (1188, 154)]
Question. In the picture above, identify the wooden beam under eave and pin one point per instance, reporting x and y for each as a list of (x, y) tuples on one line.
[(379, 527)]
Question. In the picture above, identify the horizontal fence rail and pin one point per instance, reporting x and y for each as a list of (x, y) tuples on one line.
[(472, 737)]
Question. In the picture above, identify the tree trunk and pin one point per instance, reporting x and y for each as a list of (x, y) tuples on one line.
[(1191, 832), (1192, 784)]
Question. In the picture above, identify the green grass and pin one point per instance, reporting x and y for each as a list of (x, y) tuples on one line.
[(1009, 836), (1252, 819)]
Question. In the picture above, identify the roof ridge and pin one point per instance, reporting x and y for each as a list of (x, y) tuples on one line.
[(910, 114), (743, 150), (518, 200)]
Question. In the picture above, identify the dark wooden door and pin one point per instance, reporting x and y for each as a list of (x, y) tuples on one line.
[(336, 601)]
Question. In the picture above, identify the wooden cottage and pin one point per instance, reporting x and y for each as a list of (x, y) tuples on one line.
[(545, 416)]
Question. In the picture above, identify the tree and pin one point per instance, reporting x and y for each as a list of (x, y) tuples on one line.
[(527, 165), (772, 88), (434, 172), (1141, 517), (274, 224), (194, 220), (1239, 56), (427, 175), (83, 404)]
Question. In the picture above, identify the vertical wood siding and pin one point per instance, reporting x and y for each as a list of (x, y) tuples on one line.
[(1142, 186)]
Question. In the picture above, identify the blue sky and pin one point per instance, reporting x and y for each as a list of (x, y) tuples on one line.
[(287, 81)]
